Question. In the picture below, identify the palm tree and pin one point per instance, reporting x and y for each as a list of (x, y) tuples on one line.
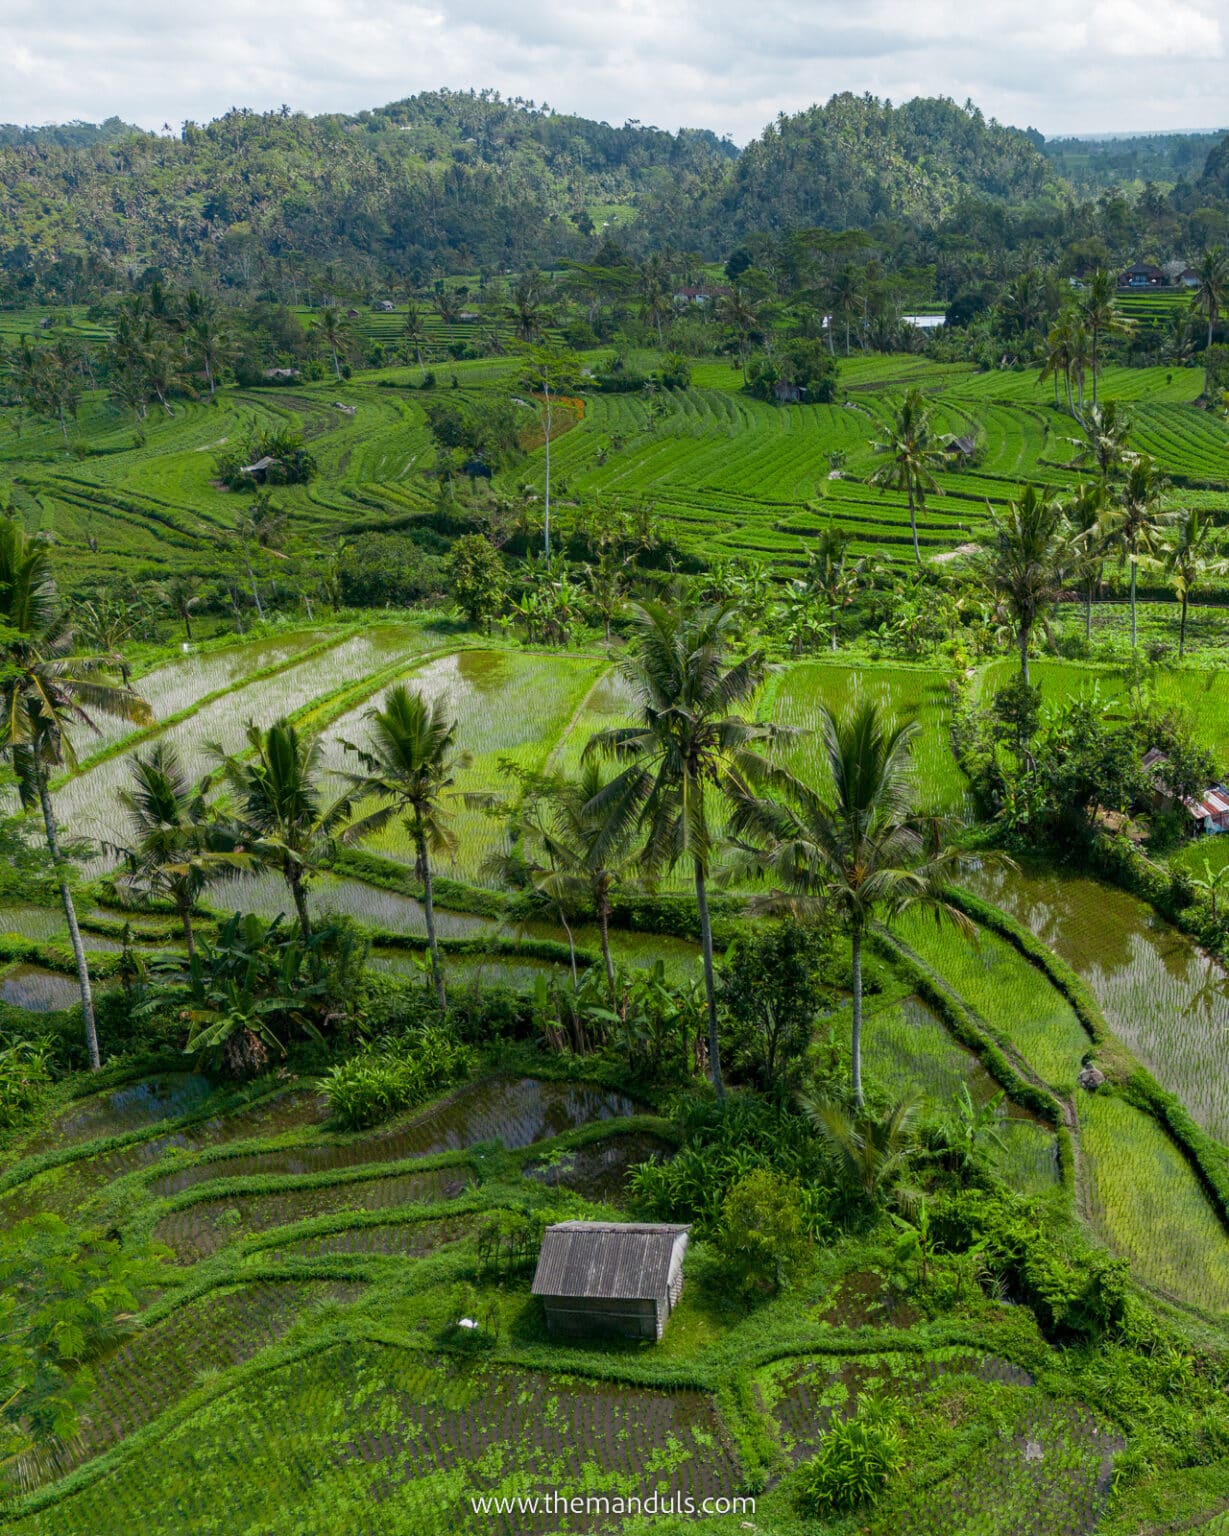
[(912, 453), (873, 1150), (686, 754), (1135, 524), (330, 328), (1191, 552), (1058, 356), (1106, 428), (1212, 882), (852, 849), (44, 689), (1101, 316), (1086, 544), (411, 765), (181, 598), (175, 853), (845, 298), (1025, 562), (737, 311), (1212, 289), (280, 820), (583, 861)]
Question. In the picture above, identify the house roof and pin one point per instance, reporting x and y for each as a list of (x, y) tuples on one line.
[(607, 1260), (1211, 805)]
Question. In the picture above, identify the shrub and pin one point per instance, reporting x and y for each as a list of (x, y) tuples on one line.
[(382, 1080), (763, 1239), (25, 1070), (383, 570), (857, 1459), (293, 463)]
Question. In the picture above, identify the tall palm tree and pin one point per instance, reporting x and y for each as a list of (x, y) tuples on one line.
[(1025, 563), (1191, 551), (1134, 524), (686, 754), (737, 311), (45, 689), (845, 297), (1058, 356), (1086, 542), (1212, 289), (280, 818), (912, 452), (583, 862), (1106, 428), (411, 765), (330, 329), (1101, 316), (175, 852), (853, 847)]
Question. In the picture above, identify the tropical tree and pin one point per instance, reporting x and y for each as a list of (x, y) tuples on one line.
[(873, 1151), (583, 861), (854, 848), (181, 599), (1212, 286), (912, 452), (845, 298), (1134, 523), (329, 329), (1099, 306), (411, 766), (551, 372), (175, 852), (686, 754), (1190, 551), (1085, 531), (1025, 563), (1061, 344), (1212, 882), (738, 311), (1106, 428), (280, 818), (45, 690)]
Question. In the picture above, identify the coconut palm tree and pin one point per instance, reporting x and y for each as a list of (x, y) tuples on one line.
[(1086, 543), (1102, 318), (1191, 551), (583, 861), (279, 818), (912, 452), (1106, 428), (737, 311), (411, 766), (1135, 523), (853, 848), (686, 755), (330, 329), (1025, 563), (845, 297), (873, 1151), (44, 690), (176, 851), (1058, 356), (1212, 288)]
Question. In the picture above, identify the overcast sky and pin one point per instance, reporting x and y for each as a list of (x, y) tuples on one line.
[(1064, 66)]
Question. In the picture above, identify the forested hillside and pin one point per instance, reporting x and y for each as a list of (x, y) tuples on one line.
[(291, 207)]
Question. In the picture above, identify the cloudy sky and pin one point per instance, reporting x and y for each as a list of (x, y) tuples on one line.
[(1064, 66)]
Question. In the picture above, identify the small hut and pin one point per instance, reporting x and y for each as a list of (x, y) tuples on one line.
[(610, 1277)]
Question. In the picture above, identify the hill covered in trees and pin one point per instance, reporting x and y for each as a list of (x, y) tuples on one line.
[(282, 204)]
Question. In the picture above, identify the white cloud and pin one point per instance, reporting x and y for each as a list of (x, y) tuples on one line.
[(1117, 65)]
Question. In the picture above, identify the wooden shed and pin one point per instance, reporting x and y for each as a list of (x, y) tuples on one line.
[(610, 1277)]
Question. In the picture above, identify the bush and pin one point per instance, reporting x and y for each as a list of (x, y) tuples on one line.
[(382, 1080), (857, 1459), (763, 1239), (25, 1070), (293, 463), (383, 570)]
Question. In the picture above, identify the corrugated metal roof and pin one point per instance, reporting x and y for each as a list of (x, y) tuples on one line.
[(606, 1260), (1214, 804)]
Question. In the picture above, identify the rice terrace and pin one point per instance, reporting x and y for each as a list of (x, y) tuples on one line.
[(614, 852)]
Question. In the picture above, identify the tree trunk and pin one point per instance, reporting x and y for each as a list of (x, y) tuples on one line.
[(856, 1042), (917, 553), (546, 499), (1134, 568), (185, 917), (1182, 630), (70, 913), (563, 918), (1088, 613), (710, 989), (603, 915), (187, 624), (299, 896), (1024, 639), (428, 907)]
